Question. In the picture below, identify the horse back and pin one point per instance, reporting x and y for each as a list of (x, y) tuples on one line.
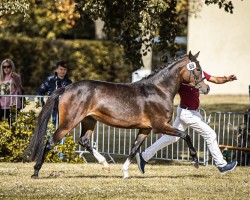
[(120, 105)]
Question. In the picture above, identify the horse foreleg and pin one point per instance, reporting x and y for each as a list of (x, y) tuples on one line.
[(88, 126), (143, 133), (170, 130), (192, 150), (49, 145)]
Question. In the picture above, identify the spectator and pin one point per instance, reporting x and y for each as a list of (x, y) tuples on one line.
[(53, 82), (11, 84)]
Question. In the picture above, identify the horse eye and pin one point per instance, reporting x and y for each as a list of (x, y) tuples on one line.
[(198, 69)]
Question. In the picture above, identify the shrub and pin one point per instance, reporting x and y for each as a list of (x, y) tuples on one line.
[(15, 138)]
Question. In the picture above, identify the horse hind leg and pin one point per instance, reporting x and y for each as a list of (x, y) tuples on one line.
[(143, 133), (88, 125), (49, 145), (65, 125)]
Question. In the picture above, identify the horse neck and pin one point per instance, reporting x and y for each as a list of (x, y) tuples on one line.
[(170, 78)]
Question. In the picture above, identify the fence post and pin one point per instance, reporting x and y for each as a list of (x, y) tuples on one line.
[(249, 93)]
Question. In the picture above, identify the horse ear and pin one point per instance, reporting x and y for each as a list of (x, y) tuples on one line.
[(196, 55), (190, 56)]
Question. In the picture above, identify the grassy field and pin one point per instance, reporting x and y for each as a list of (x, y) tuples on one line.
[(222, 103), (88, 181)]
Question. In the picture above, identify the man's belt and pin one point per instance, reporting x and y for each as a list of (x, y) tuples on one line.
[(187, 108)]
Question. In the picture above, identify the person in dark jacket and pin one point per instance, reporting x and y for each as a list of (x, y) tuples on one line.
[(53, 82), (56, 80)]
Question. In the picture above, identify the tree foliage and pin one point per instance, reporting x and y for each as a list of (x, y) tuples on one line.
[(226, 5), (134, 24), (47, 19), (14, 6)]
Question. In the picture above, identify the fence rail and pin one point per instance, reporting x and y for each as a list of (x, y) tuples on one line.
[(232, 129)]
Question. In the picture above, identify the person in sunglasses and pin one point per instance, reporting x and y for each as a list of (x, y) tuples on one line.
[(10, 84)]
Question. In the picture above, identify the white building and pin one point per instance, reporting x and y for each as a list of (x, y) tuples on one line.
[(223, 40)]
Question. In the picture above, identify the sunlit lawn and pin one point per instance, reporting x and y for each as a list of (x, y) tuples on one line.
[(222, 103), (88, 181)]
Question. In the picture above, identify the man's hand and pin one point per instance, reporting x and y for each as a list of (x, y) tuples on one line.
[(231, 78)]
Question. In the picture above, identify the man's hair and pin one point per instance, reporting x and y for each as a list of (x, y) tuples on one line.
[(62, 63)]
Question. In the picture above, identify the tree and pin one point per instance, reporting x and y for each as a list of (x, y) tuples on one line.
[(46, 19), (134, 24)]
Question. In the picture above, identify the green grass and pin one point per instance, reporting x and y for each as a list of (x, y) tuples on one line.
[(88, 181)]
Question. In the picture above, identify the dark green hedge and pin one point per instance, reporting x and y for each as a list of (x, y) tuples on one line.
[(35, 59)]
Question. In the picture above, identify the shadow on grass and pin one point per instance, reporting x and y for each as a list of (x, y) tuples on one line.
[(131, 177), (173, 177)]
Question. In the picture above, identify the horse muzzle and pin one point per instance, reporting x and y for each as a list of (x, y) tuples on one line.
[(204, 89)]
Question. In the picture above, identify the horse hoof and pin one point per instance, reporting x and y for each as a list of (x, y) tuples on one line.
[(107, 169), (196, 164), (34, 176), (125, 174)]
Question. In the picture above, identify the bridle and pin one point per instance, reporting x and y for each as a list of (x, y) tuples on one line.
[(197, 81)]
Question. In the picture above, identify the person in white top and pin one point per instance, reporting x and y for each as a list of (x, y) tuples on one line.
[(10, 84)]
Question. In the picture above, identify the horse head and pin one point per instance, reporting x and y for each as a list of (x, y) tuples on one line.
[(192, 74)]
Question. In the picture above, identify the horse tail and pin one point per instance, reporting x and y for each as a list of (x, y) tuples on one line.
[(36, 145)]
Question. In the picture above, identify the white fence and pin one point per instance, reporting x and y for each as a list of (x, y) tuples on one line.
[(233, 129), (113, 142)]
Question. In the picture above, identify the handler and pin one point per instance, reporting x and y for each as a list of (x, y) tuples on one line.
[(188, 115)]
